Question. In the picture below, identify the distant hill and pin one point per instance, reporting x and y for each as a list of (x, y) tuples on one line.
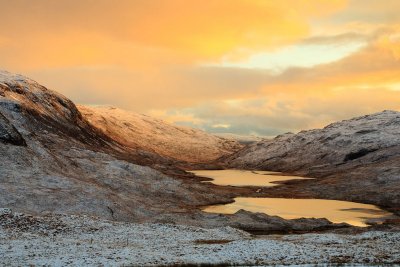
[(356, 159), (139, 131), (244, 139)]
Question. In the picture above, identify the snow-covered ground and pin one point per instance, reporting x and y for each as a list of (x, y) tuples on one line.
[(59, 240)]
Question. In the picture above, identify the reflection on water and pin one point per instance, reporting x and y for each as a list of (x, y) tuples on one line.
[(244, 178), (335, 211)]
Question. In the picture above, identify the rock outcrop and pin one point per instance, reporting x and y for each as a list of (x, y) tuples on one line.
[(8, 133)]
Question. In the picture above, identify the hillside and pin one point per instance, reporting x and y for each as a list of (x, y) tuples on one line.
[(356, 159), (139, 131), (53, 160)]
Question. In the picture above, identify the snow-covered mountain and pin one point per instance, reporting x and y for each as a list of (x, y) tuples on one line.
[(53, 159), (356, 159), (139, 131), (360, 139)]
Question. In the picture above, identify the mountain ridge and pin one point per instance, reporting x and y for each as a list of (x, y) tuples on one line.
[(155, 135), (355, 160)]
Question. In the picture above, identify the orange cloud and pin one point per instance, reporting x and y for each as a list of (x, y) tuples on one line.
[(301, 98), (147, 55), (58, 33)]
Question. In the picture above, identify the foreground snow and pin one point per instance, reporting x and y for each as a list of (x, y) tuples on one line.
[(59, 240)]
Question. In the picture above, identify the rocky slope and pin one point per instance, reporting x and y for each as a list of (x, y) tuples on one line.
[(356, 159), (142, 132), (52, 159)]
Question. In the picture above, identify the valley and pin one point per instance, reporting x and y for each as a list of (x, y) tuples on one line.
[(87, 166)]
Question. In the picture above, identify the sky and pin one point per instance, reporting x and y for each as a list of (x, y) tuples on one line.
[(250, 67)]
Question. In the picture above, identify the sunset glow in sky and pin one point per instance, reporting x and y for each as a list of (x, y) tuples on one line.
[(249, 67)]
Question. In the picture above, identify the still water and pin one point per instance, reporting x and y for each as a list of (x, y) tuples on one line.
[(336, 211), (244, 178)]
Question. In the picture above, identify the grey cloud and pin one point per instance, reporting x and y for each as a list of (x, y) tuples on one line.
[(335, 39)]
